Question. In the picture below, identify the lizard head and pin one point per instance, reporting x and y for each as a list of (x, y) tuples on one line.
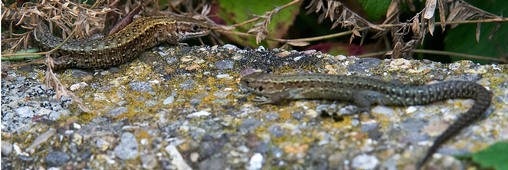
[(190, 28), (257, 83)]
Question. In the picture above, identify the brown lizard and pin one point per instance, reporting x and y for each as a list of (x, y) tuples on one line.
[(122, 46)]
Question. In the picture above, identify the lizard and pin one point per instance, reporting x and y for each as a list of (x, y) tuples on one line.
[(120, 47), (364, 92)]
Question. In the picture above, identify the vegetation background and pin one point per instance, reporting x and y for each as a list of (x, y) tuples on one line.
[(440, 30)]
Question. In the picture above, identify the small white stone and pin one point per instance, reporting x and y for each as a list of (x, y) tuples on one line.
[(261, 49), (255, 162), (6, 148), (76, 126), (154, 81), (311, 113), (411, 109), (169, 100), (229, 47), (143, 141), (365, 162), (237, 57), (298, 58), (341, 57), (201, 113), (383, 110), (77, 86), (194, 157), (220, 76)]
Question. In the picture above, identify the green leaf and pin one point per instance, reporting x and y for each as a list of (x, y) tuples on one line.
[(375, 9), (495, 156), (234, 12), (462, 39)]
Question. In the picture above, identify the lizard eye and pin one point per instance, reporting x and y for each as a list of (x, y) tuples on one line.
[(196, 28), (260, 88)]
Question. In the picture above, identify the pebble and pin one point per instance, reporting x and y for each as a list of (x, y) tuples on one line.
[(221, 94), (99, 97), (118, 111), (171, 60), (297, 58), (76, 126), (271, 116), (368, 126), (194, 157), (25, 111), (141, 86), (102, 144), (237, 57), (226, 76), (150, 103), (412, 125), (187, 84), (411, 109), (399, 63), (128, 147), (363, 65), (6, 148), (213, 163), (276, 131), (255, 162), (283, 54), (26, 158), (249, 125), (298, 115), (229, 47), (311, 113), (201, 113), (340, 57), (56, 158), (148, 161), (169, 100), (224, 64), (384, 110), (195, 101), (77, 86), (365, 162)]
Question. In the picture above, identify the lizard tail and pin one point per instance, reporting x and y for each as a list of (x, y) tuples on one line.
[(482, 99)]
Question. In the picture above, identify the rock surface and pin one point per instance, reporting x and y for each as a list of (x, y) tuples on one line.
[(186, 110)]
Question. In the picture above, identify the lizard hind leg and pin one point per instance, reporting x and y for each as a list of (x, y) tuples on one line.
[(365, 98)]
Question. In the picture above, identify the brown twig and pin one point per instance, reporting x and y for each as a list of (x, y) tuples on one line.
[(318, 38), (424, 51), (258, 17)]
